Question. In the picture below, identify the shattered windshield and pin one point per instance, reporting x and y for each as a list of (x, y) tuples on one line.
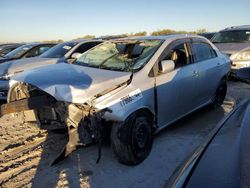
[(126, 55), (59, 50), (17, 53), (232, 36)]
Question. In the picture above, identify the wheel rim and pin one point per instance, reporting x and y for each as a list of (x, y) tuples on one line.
[(141, 136)]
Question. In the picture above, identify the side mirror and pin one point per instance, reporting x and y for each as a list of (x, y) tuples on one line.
[(166, 66), (243, 74), (76, 55)]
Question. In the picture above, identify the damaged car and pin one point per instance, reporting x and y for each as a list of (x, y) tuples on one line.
[(126, 90)]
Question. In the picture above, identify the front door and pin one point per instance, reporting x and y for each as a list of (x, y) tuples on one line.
[(176, 90)]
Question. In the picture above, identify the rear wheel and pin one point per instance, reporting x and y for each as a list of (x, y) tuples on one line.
[(220, 94), (132, 140)]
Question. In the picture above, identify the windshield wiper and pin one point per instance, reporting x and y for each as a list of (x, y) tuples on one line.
[(100, 66)]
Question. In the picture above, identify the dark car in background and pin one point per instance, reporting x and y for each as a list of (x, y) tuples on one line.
[(65, 52), (7, 48), (208, 35), (26, 51), (235, 43), (223, 160)]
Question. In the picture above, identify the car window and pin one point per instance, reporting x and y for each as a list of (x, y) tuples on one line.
[(19, 52), (86, 46), (43, 49), (37, 51), (121, 55), (59, 50), (232, 36), (6, 51), (202, 51), (179, 54)]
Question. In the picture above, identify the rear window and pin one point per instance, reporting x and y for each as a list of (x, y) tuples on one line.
[(202, 52)]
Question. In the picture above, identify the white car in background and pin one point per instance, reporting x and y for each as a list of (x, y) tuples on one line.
[(235, 43)]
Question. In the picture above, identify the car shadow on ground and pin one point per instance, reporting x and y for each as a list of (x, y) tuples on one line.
[(194, 122), (80, 168), (59, 175)]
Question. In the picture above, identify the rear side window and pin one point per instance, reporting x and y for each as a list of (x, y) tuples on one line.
[(38, 51), (43, 49), (202, 51)]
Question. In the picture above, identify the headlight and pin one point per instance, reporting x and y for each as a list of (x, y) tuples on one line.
[(6, 76), (241, 56)]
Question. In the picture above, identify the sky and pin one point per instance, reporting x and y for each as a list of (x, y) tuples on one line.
[(38, 20)]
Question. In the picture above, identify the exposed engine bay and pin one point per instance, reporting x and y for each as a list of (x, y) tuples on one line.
[(84, 123)]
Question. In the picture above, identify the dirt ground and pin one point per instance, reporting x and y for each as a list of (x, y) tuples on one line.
[(26, 153)]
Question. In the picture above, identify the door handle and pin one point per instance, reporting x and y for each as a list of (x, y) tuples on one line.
[(218, 64)]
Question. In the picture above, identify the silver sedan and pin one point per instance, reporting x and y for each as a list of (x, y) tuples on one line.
[(127, 89)]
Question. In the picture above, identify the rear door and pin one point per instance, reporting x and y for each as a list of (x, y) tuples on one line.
[(209, 70), (176, 90)]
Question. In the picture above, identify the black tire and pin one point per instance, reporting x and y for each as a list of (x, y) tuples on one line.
[(132, 140), (220, 94)]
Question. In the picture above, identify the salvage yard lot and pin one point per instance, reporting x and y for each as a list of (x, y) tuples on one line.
[(26, 153)]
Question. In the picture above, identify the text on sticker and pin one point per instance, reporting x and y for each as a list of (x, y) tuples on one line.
[(131, 97)]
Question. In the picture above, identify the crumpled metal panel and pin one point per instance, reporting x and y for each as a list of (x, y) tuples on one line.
[(71, 83)]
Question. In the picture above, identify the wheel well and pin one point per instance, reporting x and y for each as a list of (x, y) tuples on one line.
[(148, 113), (225, 77)]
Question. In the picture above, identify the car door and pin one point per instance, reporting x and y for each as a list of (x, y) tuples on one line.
[(176, 89), (209, 70)]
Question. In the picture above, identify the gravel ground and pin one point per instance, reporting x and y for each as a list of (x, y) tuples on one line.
[(26, 153)]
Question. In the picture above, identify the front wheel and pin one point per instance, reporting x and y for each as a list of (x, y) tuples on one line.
[(132, 140), (220, 94)]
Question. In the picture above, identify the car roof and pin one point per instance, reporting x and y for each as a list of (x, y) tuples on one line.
[(237, 28), (84, 40), (10, 45), (164, 37), (39, 43)]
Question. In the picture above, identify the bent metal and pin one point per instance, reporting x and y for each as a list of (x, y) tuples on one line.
[(73, 117)]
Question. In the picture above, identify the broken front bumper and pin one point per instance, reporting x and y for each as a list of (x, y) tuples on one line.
[(27, 104), (72, 116)]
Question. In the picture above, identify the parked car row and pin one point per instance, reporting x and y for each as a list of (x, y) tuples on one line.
[(233, 41), (26, 51), (40, 55)]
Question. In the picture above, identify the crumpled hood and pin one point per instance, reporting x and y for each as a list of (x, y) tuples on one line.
[(20, 65), (71, 83), (231, 48)]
